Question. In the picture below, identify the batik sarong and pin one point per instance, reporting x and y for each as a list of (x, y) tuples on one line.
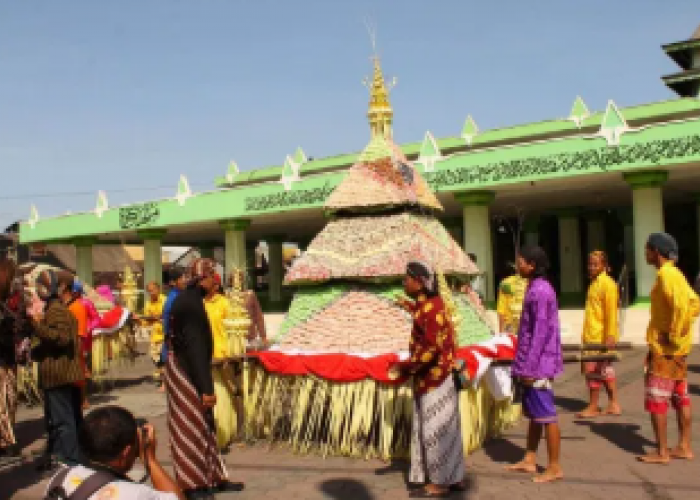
[(437, 453), (193, 447), (8, 405)]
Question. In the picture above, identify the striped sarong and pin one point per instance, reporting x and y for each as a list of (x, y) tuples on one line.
[(8, 405), (437, 453), (196, 458)]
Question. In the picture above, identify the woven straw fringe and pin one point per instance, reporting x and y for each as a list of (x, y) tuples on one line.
[(110, 352), (364, 419)]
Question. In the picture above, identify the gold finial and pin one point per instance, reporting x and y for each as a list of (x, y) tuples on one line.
[(380, 113)]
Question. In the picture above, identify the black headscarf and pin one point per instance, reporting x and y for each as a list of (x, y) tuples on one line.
[(665, 244), (425, 275)]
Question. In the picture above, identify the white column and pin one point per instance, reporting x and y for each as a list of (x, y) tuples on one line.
[(275, 276), (570, 263), (83, 260), (152, 256), (234, 244), (477, 234), (647, 218)]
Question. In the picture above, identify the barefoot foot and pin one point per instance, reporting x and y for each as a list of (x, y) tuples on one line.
[(551, 474), (654, 458), (681, 453), (524, 466), (614, 410), (589, 412)]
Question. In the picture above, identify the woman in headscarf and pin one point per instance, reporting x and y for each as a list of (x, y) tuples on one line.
[(437, 454), (190, 388), (13, 327), (58, 355)]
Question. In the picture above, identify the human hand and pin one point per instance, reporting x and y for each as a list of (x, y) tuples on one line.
[(610, 342), (403, 303), (394, 372), (208, 400), (147, 441)]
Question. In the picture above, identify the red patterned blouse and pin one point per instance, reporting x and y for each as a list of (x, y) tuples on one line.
[(432, 345)]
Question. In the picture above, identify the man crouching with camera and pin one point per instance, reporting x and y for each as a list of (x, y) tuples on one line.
[(111, 440)]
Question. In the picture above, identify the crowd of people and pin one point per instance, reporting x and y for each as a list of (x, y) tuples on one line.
[(188, 335), (527, 306)]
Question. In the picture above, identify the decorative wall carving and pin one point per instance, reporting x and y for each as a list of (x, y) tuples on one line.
[(288, 198), (603, 158), (138, 216)]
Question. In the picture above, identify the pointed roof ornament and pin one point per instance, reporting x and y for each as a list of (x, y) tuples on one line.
[(232, 171), (102, 205), (429, 152), (380, 113), (613, 124), (579, 112), (470, 130), (33, 216), (290, 173), (300, 157), (183, 190)]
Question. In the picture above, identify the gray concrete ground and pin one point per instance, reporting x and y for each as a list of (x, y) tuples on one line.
[(598, 456)]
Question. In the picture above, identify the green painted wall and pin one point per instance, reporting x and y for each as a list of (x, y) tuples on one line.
[(663, 144)]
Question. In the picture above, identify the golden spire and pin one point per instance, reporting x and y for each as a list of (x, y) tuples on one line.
[(380, 113)]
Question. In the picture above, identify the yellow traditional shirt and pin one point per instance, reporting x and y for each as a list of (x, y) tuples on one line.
[(674, 307), (218, 309), (511, 294), (155, 310), (600, 320)]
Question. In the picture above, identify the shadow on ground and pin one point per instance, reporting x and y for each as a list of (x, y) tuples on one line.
[(570, 404), (395, 467), (503, 451), (17, 478), (624, 436), (346, 489), (29, 431)]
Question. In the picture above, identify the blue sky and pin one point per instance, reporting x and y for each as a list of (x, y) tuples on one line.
[(126, 95)]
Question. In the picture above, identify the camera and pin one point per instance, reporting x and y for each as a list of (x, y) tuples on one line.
[(141, 424)]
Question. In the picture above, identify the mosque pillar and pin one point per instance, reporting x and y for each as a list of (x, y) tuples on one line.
[(152, 255), (234, 244), (595, 231), (454, 227), (476, 234), (570, 259), (83, 259), (531, 232), (647, 218), (276, 272)]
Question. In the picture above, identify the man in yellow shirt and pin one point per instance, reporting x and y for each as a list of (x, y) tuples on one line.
[(674, 307), (600, 327), (509, 306), (152, 316)]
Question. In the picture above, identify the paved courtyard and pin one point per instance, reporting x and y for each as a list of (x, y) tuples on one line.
[(598, 457)]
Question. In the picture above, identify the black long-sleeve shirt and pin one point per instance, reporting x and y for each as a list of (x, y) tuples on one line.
[(192, 339)]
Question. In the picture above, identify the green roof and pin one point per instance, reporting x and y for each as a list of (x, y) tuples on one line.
[(488, 138)]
